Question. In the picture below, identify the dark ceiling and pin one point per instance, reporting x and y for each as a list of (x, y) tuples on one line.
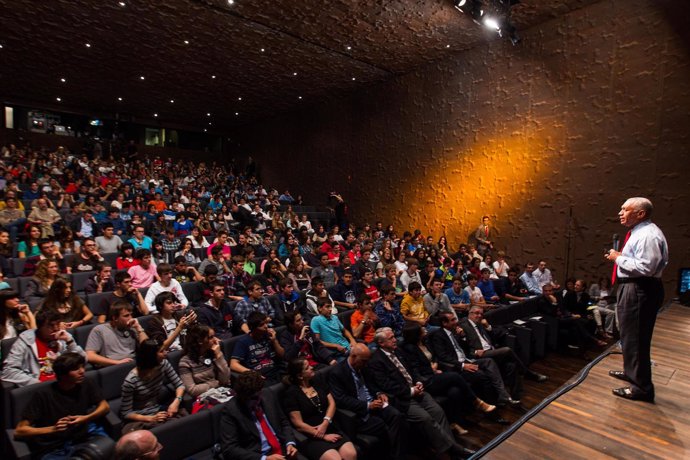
[(266, 56)]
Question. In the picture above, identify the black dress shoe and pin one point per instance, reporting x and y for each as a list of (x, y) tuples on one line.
[(458, 451), (537, 377), (629, 393), (620, 375)]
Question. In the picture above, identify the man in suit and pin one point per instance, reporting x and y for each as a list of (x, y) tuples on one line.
[(392, 376), (481, 373), (483, 236), (253, 426), (481, 339), (351, 390)]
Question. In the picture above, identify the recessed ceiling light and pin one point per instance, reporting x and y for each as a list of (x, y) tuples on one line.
[(294, 74), (186, 42), (155, 114), (231, 2), (239, 98), (121, 3), (0, 47), (172, 101), (63, 80), (209, 123), (88, 45), (263, 50), (142, 78), (58, 99), (348, 48), (300, 97), (208, 114), (447, 46), (205, 130), (213, 76), (237, 113), (119, 98), (353, 79)]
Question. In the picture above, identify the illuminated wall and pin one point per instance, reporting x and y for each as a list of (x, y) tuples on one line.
[(591, 108)]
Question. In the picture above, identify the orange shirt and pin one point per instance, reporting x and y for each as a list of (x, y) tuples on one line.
[(159, 204), (369, 329)]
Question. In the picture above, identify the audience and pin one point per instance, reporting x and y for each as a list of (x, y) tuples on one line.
[(258, 350), (116, 341), (203, 366)]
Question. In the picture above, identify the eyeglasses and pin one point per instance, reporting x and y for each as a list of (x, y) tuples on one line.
[(158, 447)]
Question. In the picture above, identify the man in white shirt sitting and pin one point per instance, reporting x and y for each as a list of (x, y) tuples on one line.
[(166, 284)]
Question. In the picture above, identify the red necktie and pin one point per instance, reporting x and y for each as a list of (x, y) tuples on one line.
[(268, 433), (615, 265), (486, 231)]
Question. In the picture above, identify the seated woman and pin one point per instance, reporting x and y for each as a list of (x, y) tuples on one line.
[(186, 250), (439, 383), (38, 286), (297, 273), (311, 409), (198, 240), (63, 300), (144, 385), (67, 243), (30, 247), (203, 366), (298, 340), (126, 259), (15, 316), (166, 326)]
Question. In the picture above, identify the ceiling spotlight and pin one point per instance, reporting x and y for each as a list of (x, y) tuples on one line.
[(209, 123), (294, 74), (300, 97), (142, 78), (237, 113), (353, 78), (119, 99), (263, 50), (205, 130), (239, 98), (155, 115), (88, 45), (208, 114), (231, 2), (58, 99), (186, 42), (63, 80), (122, 4), (172, 101), (348, 48), (447, 46), (0, 47)]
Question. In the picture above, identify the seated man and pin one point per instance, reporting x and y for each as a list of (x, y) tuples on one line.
[(412, 305), (482, 341), (458, 297), (388, 311), (345, 293), (102, 281), (318, 291), (140, 240), (108, 242), (252, 424), (258, 350), (325, 271), (364, 321), (144, 274), (482, 373), (33, 354), (86, 226), (254, 302), (63, 418), (543, 275), (287, 301), (216, 312), (330, 331), (411, 275), (391, 376), (515, 291), (298, 340), (138, 445), (184, 273), (49, 250), (44, 217), (123, 291), (113, 219), (486, 286), (236, 279), (436, 301), (12, 218), (476, 296), (88, 258), (353, 390), (530, 281), (115, 342), (216, 258), (166, 284)]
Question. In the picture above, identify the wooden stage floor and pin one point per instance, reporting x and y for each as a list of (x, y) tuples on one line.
[(588, 422)]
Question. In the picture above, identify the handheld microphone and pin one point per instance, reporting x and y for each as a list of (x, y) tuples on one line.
[(616, 242)]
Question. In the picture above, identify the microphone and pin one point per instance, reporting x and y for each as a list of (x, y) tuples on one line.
[(616, 242)]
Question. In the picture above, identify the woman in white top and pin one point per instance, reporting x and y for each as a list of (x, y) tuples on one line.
[(15, 317), (500, 266), (198, 240), (488, 264)]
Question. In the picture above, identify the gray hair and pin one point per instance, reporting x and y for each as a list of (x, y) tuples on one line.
[(380, 334), (642, 204)]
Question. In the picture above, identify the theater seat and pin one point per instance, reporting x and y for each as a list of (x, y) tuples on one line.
[(187, 437)]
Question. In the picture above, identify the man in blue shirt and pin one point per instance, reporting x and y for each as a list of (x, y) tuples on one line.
[(330, 331), (530, 282), (459, 298), (487, 287)]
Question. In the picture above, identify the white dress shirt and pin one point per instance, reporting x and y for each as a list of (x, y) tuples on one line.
[(644, 254)]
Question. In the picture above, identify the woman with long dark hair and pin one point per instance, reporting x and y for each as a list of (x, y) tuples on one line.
[(46, 273), (63, 300), (29, 247), (126, 259), (311, 409), (203, 366), (15, 316), (143, 386)]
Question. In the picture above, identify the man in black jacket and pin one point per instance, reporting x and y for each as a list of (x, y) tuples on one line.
[(351, 390), (391, 375), (481, 373), (245, 415)]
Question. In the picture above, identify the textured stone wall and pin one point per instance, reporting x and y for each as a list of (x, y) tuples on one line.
[(591, 108)]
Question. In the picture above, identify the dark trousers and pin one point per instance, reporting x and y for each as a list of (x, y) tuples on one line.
[(512, 368), (487, 377), (460, 396), (638, 304), (390, 426)]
